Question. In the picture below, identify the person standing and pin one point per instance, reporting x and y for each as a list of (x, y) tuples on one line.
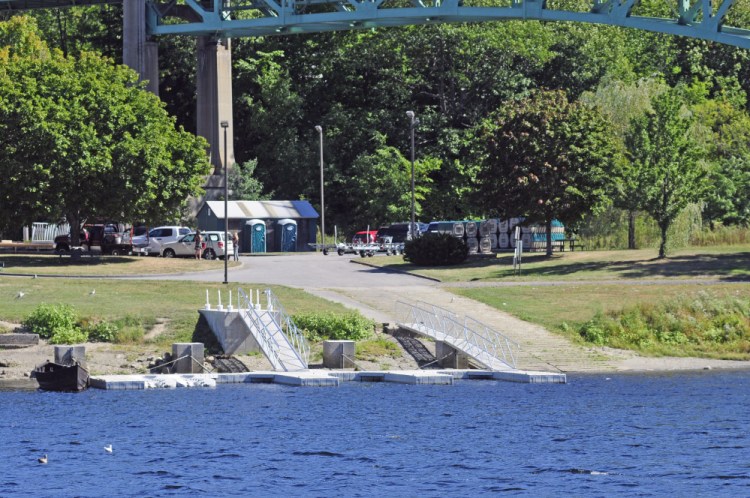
[(198, 244), (236, 245)]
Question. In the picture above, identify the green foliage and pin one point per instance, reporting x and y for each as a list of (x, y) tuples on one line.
[(322, 326), (102, 332), (376, 348), (48, 320), (82, 138), (436, 249), (69, 336), (546, 159), (666, 160), (705, 325)]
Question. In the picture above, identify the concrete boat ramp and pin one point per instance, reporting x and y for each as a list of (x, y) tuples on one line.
[(319, 378)]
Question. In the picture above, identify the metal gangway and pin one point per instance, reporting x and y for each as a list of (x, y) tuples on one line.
[(277, 335), (479, 341)]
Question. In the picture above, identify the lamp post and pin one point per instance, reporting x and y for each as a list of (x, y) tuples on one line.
[(225, 125), (412, 125), (319, 129)]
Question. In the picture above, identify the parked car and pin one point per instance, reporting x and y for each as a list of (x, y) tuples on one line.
[(111, 237), (152, 242), (213, 246)]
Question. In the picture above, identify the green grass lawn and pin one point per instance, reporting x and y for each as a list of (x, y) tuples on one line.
[(555, 306), (104, 266), (721, 262), (177, 302)]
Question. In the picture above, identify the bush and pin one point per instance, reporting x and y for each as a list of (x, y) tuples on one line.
[(48, 320), (701, 325), (102, 332), (69, 336), (436, 249), (323, 326)]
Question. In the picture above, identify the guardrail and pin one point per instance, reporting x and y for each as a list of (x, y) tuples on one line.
[(265, 337), (465, 334), (293, 334)]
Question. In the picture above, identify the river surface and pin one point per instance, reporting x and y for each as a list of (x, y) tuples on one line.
[(684, 434)]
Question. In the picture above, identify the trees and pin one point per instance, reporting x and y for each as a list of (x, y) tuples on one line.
[(80, 138), (545, 159), (667, 160)]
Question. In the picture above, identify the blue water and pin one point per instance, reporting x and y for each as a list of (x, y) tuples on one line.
[(624, 435)]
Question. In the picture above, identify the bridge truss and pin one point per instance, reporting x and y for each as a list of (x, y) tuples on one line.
[(704, 19)]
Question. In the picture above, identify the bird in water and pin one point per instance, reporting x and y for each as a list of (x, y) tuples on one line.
[(108, 448), (42, 459)]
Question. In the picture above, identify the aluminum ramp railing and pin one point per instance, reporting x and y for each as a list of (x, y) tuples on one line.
[(485, 345), (279, 339)]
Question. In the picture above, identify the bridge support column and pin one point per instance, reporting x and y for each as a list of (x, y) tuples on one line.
[(214, 88), (138, 53), (450, 357)]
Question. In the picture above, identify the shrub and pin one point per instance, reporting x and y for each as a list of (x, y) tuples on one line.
[(703, 324), (321, 326), (48, 320), (102, 332), (69, 336), (436, 249)]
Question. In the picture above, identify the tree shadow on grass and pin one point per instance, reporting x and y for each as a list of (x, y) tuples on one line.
[(61, 261), (729, 267)]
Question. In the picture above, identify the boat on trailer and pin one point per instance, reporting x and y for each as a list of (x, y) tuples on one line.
[(57, 377)]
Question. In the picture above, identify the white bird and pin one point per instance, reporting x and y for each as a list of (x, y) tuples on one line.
[(108, 448), (35, 275), (20, 294), (42, 459), (93, 291)]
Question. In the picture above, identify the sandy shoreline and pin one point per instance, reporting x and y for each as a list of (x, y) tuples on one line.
[(110, 359)]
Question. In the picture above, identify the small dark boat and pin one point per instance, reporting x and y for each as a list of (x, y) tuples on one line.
[(56, 377)]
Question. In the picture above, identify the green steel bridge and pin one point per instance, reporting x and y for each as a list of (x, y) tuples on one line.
[(221, 19)]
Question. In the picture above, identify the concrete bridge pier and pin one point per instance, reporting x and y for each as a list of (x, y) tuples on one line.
[(214, 88), (139, 53)]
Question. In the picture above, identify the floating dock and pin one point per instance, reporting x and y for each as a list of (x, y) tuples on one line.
[(320, 378)]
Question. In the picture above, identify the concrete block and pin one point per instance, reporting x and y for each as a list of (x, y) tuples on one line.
[(338, 354), (231, 331), (450, 357), (18, 340), (68, 355), (193, 353)]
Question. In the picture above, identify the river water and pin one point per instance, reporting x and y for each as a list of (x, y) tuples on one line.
[(681, 434)]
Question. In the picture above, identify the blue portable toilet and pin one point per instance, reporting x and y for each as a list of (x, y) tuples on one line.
[(254, 236), (286, 235)]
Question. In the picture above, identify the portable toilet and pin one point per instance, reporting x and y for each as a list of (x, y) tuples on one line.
[(286, 235), (254, 236)]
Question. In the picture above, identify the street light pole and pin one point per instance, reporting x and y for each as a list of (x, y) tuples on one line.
[(225, 125), (319, 129), (412, 125)]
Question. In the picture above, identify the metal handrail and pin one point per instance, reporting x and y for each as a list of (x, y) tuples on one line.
[(293, 334), (465, 334), (267, 341)]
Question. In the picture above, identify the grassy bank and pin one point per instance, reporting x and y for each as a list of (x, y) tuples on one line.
[(103, 266), (174, 303), (722, 262)]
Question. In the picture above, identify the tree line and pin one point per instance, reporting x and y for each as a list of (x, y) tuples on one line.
[(517, 118)]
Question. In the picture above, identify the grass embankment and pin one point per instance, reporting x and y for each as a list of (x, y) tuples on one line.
[(174, 303), (630, 300), (722, 262), (104, 266)]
